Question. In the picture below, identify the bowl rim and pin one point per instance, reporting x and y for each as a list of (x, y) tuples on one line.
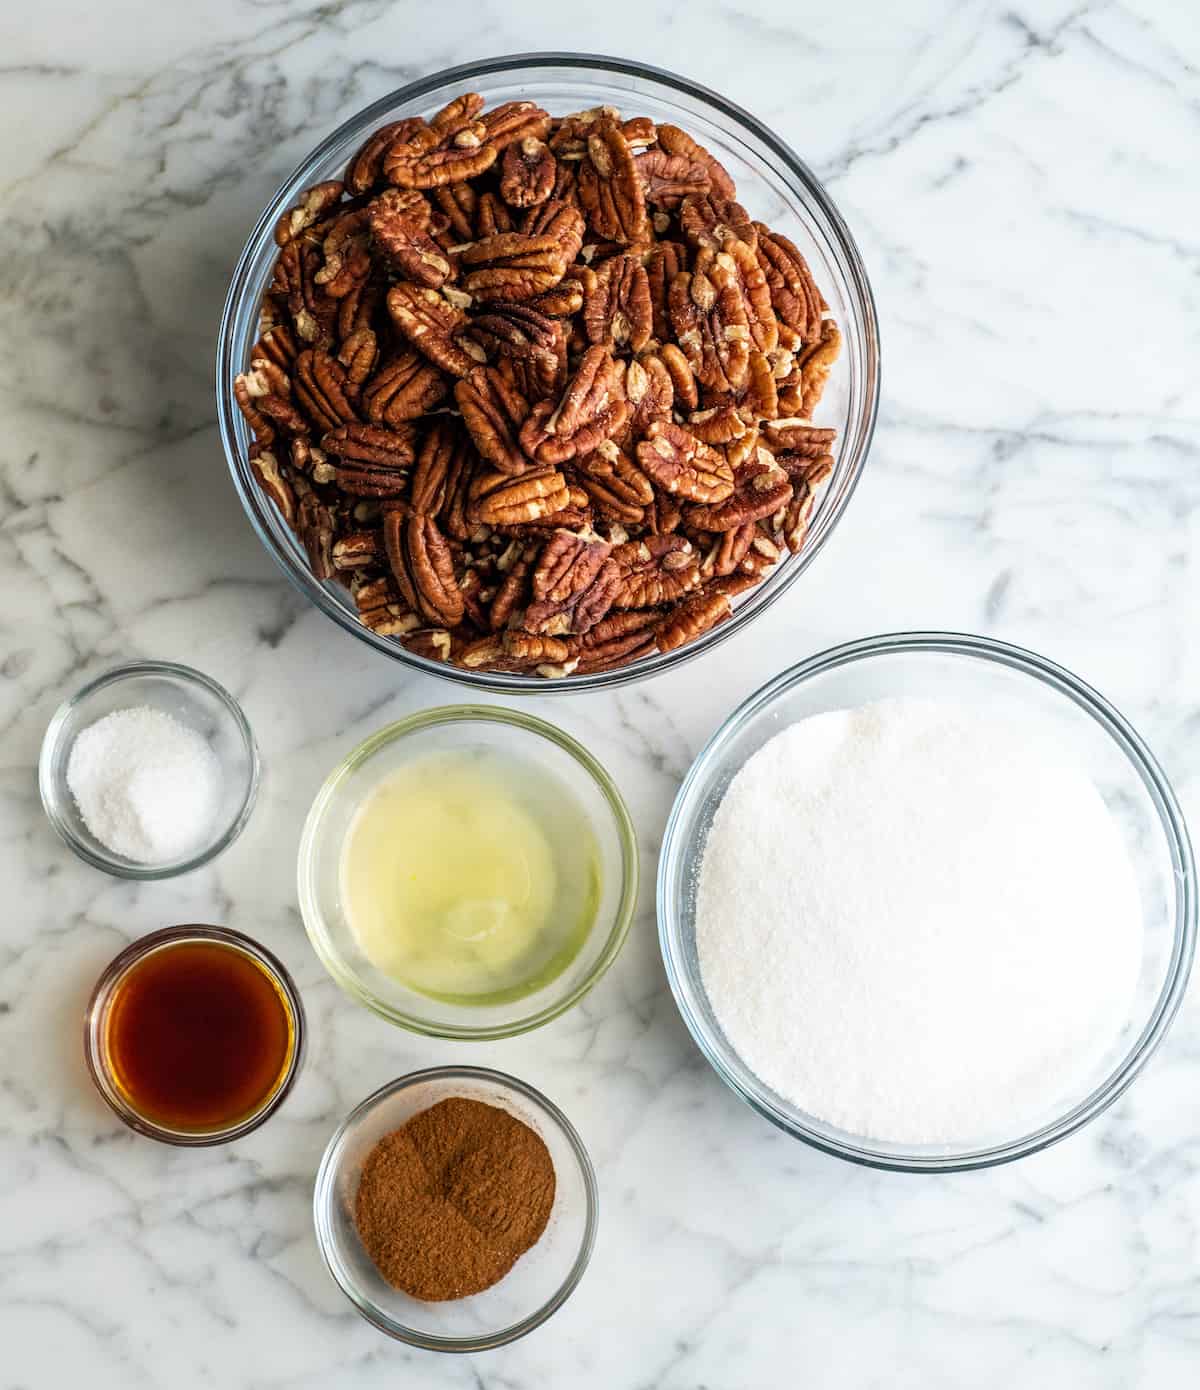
[(256, 506), (1171, 818), (323, 1198), (90, 850), (96, 1056), (418, 723)]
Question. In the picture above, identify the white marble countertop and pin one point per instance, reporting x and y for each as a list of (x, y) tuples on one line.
[(1021, 180)]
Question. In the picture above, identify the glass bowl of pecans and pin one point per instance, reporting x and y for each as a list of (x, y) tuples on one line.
[(548, 372)]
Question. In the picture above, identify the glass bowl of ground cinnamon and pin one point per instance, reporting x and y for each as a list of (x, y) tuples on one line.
[(456, 1208)]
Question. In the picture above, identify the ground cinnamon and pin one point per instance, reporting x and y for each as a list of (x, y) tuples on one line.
[(448, 1203)]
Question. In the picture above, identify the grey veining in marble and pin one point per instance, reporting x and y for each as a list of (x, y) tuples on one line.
[(1021, 179)]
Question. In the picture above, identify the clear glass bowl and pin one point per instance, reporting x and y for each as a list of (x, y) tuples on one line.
[(773, 183), (1049, 700), (189, 696), (542, 1279), (461, 728), (96, 1046)]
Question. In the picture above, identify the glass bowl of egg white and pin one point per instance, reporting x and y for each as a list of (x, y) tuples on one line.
[(927, 902), (469, 872), (149, 771)]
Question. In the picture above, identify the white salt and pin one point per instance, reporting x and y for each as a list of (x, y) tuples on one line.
[(915, 925), (147, 785)]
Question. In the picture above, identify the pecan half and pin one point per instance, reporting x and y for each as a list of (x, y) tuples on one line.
[(761, 489), (434, 467), (450, 152), (314, 203), (615, 484), (610, 191), (560, 220), (266, 468), (321, 388), (709, 222), (516, 568), (669, 178), (382, 608), (658, 569), (515, 121), (679, 142), (618, 639), (400, 233), (616, 309), (530, 340), (434, 327), (365, 170), (692, 618), (498, 499), (423, 567), (493, 412), (708, 314), (586, 414), (512, 265), (684, 465), (742, 263), (527, 173), (574, 584), (794, 294), (649, 390), (403, 388)]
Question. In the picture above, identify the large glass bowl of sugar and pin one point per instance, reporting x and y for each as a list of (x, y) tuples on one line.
[(1053, 705)]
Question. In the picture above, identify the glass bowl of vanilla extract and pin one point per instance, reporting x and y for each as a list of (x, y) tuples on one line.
[(469, 872), (194, 1035)]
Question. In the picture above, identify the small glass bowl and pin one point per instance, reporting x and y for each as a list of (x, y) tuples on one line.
[(773, 183), (1053, 704), (95, 1033), (542, 1279), (463, 727), (189, 696)]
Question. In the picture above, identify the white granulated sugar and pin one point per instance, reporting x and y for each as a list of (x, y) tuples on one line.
[(914, 924), (147, 786)]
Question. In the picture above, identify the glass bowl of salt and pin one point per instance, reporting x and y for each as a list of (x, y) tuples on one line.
[(150, 770), (927, 902)]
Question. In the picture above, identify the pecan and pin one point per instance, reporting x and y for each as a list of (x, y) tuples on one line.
[(358, 354), (492, 216), (516, 566), (433, 643), (277, 345), (357, 310), (679, 142), (709, 222), (663, 263), (382, 609), (314, 203), (683, 379), (262, 397), (365, 170), (312, 461), (526, 336), (401, 236), (669, 178), (692, 618), (615, 484), (347, 260), (266, 469), (403, 388), (618, 639), (710, 322), (794, 294), (515, 121), (815, 364), (530, 649), (423, 567), (616, 309), (586, 413), (452, 148), (356, 551), (720, 424), (434, 327), (512, 265), (650, 391), (761, 488), (658, 569), (497, 499), (321, 388), (726, 550), (794, 438), (793, 524), (574, 585), (493, 412), (684, 465), (759, 399), (527, 173), (316, 529), (458, 204), (463, 468), (746, 269), (434, 466), (560, 220), (610, 191)]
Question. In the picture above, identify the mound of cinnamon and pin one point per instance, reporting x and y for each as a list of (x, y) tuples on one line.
[(448, 1203)]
